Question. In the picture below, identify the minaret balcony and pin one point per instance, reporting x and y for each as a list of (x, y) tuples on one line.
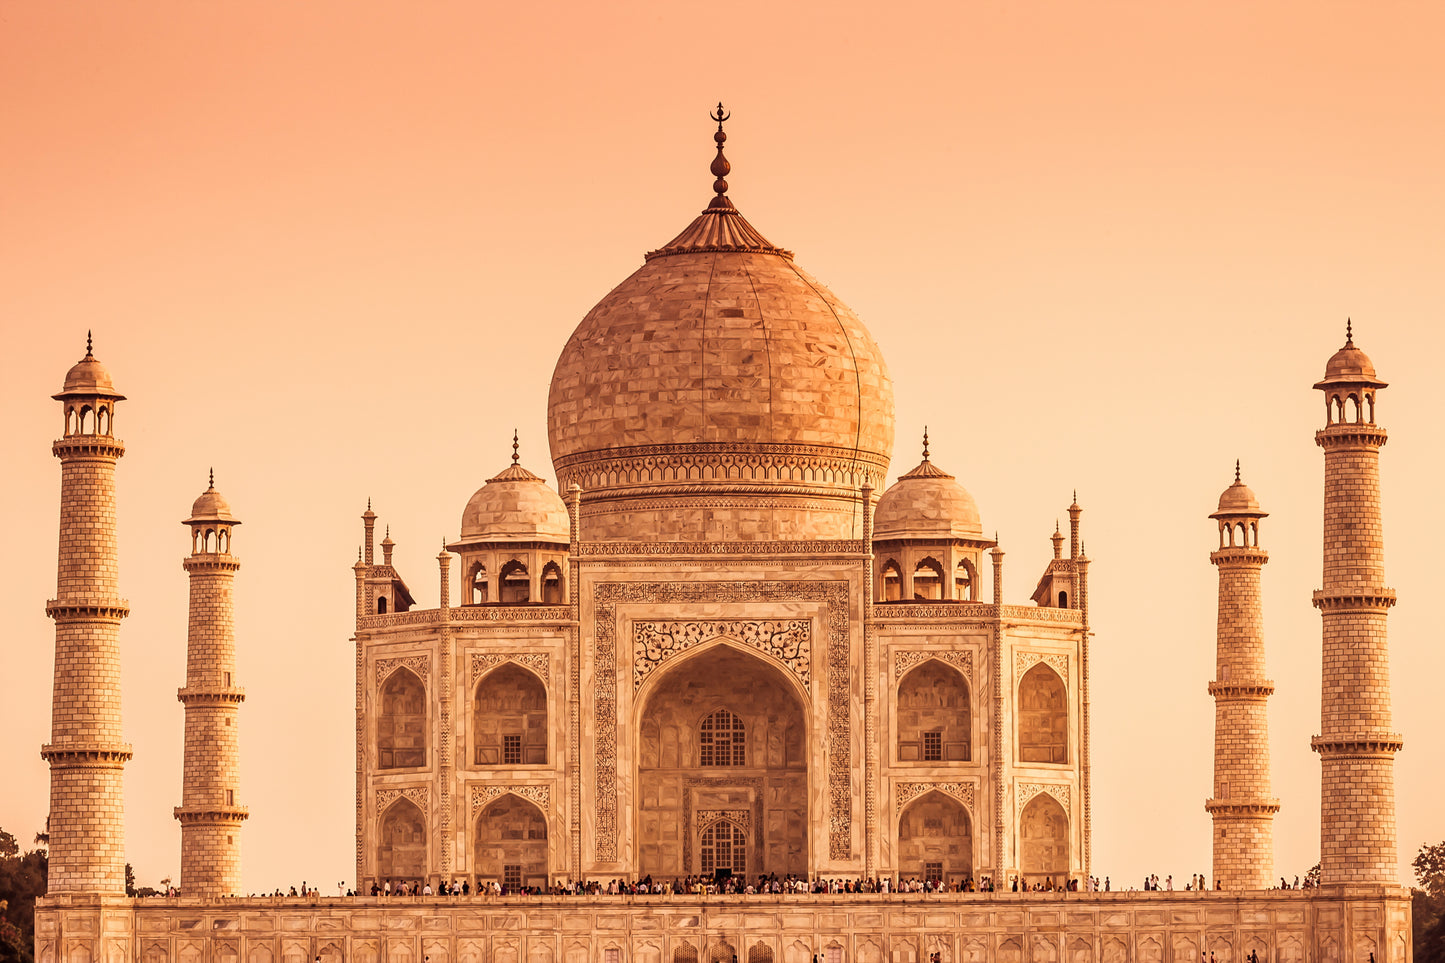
[(83, 609), (1378, 598), (1242, 691), (1242, 807), (211, 695), (1359, 744)]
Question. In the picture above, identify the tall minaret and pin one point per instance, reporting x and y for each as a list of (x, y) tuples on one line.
[(210, 818), (1242, 806), (85, 752), (1356, 744)]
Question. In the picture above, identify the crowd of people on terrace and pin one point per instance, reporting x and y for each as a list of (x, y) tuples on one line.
[(764, 885)]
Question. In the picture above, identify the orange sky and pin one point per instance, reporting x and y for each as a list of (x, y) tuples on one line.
[(334, 248)]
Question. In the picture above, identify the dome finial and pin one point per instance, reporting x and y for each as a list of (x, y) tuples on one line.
[(515, 457), (87, 344), (211, 483), (720, 166), (925, 443), (1349, 333), (1236, 471)]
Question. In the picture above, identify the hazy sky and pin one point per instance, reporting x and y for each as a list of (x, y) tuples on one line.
[(333, 249)]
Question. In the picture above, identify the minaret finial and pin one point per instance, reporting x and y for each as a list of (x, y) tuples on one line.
[(515, 457), (925, 443), (368, 504), (87, 343), (1349, 332), (1236, 471), (720, 166), (211, 484)]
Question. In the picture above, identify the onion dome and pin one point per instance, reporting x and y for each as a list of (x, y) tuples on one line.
[(926, 503), (1350, 365), (720, 392), (514, 506), (212, 506), (1239, 499), (88, 378)]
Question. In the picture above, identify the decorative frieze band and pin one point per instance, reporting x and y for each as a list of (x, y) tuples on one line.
[(421, 795), (1024, 661), (654, 643), (908, 658), (481, 796), (538, 662), (905, 792), (420, 664)]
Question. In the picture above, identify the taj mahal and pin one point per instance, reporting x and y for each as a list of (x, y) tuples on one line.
[(721, 648)]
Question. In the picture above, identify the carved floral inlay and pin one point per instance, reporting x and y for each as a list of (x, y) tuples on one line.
[(906, 792), (788, 641), (905, 660), (418, 794), (833, 597), (482, 795), (741, 818), (538, 662), (1028, 790), (420, 664), (1024, 661)]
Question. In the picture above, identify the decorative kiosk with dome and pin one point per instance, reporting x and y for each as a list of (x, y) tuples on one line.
[(719, 646)]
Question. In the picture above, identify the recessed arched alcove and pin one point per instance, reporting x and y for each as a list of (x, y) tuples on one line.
[(511, 843), (1044, 841), (401, 854), (935, 839), (722, 737)]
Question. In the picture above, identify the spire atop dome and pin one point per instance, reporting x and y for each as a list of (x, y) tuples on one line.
[(516, 459), (925, 443), (720, 227), (1236, 471), (87, 345), (1349, 328), (211, 481), (720, 166)]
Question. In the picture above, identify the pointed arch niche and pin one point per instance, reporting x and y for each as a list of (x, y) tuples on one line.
[(509, 718), (1044, 840), (933, 719), (401, 725), (935, 839), (401, 852), (1043, 717), (722, 736), (511, 843)]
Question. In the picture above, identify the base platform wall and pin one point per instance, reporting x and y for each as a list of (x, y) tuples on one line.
[(1328, 925)]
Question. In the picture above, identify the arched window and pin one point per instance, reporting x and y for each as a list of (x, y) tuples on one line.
[(892, 581), (552, 583), (86, 421), (512, 843), (760, 953), (510, 719), (70, 421), (401, 727), (723, 846), (1044, 840), (928, 580), (1043, 712), (963, 582), (102, 420), (933, 715), (722, 953), (935, 839), (515, 587), (684, 954), (1063, 600), (402, 850), (722, 740), (381, 605), (479, 584)]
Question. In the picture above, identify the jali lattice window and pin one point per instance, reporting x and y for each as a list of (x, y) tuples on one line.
[(724, 846), (722, 741)]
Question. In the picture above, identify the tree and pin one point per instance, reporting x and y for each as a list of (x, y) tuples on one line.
[(129, 880), (22, 879), (1428, 904)]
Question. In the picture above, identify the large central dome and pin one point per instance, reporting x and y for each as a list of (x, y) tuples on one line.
[(720, 393)]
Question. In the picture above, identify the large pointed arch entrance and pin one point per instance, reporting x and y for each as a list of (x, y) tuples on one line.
[(722, 770)]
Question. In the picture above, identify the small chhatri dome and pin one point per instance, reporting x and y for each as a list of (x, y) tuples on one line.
[(1238, 499), (517, 506), (1350, 364), (212, 506), (927, 502), (88, 377)]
